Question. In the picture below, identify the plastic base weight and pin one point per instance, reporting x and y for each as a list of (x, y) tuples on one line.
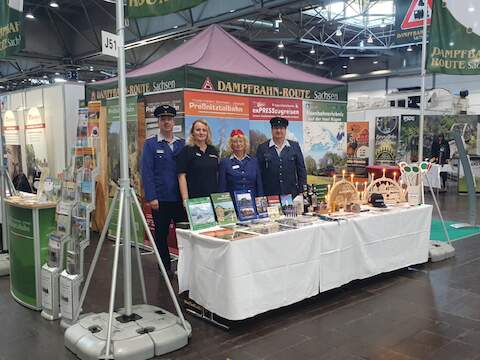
[(157, 332), (440, 251), (4, 265)]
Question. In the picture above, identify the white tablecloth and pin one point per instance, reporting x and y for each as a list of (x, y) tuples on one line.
[(240, 279)]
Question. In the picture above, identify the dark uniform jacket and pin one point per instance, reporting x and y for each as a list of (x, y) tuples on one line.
[(284, 174), (235, 175), (159, 169)]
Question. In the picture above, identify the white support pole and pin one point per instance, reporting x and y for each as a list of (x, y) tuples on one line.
[(423, 74), (2, 188), (124, 175)]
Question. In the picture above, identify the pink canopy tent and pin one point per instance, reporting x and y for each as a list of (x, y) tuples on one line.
[(214, 49)]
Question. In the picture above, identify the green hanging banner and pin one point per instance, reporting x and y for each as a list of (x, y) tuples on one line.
[(11, 27), (145, 8), (454, 46)]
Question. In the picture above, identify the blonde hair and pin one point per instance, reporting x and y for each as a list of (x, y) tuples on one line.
[(208, 141), (245, 140)]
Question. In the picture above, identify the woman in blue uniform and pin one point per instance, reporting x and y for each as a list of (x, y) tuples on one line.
[(239, 171)]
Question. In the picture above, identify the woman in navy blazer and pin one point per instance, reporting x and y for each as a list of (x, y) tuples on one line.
[(240, 171)]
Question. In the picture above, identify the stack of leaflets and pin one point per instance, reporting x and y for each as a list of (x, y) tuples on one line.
[(274, 206), (261, 204), (200, 213), (245, 205), (297, 222), (267, 228), (224, 209), (228, 234)]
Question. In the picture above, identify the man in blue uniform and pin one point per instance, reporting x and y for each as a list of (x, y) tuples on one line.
[(281, 162), (159, 176)]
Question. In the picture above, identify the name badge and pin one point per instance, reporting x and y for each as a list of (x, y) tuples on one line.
[(160, 151), (213, 156), (234, 167), (198, 154)]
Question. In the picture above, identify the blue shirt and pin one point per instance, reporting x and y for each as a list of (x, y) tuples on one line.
[(159, 169), (234, 175)]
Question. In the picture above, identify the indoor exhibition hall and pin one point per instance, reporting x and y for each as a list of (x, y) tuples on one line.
[(240, 179)]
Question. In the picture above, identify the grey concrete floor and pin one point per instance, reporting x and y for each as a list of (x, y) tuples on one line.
[(429, 311)]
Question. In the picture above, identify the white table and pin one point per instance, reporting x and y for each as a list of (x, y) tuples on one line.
[(240, 279)]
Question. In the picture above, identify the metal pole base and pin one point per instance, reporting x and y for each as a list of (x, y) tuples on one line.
[(440, 251), (154, 333), (4, 264), (462, 226)]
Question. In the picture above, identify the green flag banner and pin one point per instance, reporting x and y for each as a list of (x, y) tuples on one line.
[(11, 28), (454, 46), (144, 8)]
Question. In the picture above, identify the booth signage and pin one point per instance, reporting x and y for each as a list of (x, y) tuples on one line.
[(109, 44), (266, 108), (192, 78), (386, 139), (145, 8), (198, 103), (409, 20), (324, 111), (358, 139), (11, 28), (454, 39)]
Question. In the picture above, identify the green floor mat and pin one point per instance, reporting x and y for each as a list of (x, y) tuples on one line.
[(437, 233)]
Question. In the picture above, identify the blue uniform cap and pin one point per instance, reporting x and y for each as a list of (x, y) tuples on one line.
[(279, 122), (165, 110)]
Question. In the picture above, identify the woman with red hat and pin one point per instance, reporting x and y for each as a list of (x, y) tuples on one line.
[(240, 171)]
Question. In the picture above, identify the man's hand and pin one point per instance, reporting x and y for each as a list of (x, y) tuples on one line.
[(154, 204)]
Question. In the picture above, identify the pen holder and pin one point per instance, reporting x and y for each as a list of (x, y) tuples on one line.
[(414, 194)]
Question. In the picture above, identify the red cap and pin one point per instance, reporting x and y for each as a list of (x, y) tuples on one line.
[(237, 132)]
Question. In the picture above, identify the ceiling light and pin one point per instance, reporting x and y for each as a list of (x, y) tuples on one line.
[(280, 45), (338, 32), (312, 50), (29, 15), (93, 80), (349, 76), (471, 9), (57, 74), (351, 57), (232, 10), (381, 72), (370, 40), (45, 76), (375, 62), (321, 62), (451, 43), (281, 56), (409, 49), (91, 68), (54, 4), (344, 66), (59, 80)]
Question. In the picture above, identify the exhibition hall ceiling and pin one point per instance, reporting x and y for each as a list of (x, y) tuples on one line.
[(330, 38)]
